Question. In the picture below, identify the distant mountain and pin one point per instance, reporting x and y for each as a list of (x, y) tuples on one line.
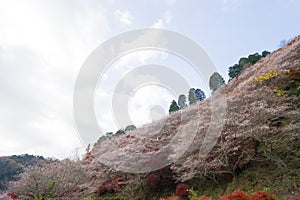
[(11, 166)]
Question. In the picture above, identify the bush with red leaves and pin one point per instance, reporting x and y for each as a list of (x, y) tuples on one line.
[(236, 195), (262, 196), (153, 181), (109, 186), (13, 196), (297, 197), (182, 190)]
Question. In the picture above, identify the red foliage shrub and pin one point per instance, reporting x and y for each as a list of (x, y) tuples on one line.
[(109, 186), (236, 195), (170, 198), (262, 196), (153, 181), (297, 197), (182, 190), (13, 196)]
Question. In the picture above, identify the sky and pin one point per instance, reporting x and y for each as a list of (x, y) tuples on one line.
[(43, 45)]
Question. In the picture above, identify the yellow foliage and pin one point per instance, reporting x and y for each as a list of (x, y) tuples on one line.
[(271, 74), (279, 92)]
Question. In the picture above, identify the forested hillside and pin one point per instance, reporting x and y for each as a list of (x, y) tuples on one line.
[(256, 156), (11, 166)]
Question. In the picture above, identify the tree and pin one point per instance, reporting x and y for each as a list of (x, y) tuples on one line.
[(265, 53), (254, 58), (100, 140), (235, 71), (12, 166), (120, 132), (109, 134), (215, 81), (200, 95), (182, 101), (192, 96), (173, 107), (130, 128), (243, 61)]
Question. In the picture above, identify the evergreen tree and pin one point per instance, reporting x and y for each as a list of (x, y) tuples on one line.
[(100, 140), (192, 96), (173, 107), (130, 128), (109, 134), (235, 71), (265, 53), (182, 101), (120, 132), (215, 81), (200, 95), (254, 58)]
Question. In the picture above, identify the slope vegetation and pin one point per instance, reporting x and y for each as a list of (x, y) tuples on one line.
[(258, 141)]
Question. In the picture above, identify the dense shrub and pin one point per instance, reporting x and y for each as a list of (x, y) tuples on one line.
[(182, 190), (13, 196), (153, 181), (262, 196), (109, 186), (270, 75), (236, 195), (297, 197), (291, 82), (281, 81)]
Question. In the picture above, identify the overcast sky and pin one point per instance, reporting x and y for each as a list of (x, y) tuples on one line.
[(43, 44)]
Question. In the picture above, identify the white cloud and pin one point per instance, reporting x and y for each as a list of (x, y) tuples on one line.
[(144, 103), (43, 45), (164, 21), (124, 17), (115, 74), (159, 24), (129, 61)]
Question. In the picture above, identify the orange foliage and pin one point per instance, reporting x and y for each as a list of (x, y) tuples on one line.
[(262, 196), (236, 195)]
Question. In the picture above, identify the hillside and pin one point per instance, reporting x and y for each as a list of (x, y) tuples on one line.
[(11, 166), (246, 136), (259, 144)]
